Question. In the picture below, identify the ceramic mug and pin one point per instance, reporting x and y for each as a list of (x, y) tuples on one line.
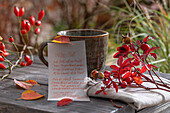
[(96, 42)]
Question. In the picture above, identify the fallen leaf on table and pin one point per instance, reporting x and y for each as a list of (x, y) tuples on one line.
[(64, 102), (23, 84), (30, 95), (61, 39), (33, 82)]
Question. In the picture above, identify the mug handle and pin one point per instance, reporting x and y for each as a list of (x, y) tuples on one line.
[(40, 53)]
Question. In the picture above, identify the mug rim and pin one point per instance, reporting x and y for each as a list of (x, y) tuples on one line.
[(105, 33)]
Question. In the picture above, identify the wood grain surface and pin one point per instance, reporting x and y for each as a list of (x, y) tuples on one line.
[(39, 72)]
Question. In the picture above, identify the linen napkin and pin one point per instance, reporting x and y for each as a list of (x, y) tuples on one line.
[(137, 98)]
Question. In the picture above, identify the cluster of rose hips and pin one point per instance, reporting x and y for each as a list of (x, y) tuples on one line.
[(3, 53), (26, 24), (127, 40), (96, 75), (27, 60)]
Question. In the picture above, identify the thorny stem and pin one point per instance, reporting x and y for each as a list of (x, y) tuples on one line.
[(16, 49), (115, 104), (156, 74), (36, 43), (147, 88), (137, 86), (153, 81), (147, 77), (29, 49), (27, 38), (158, 84), (152, 78), (11, 66), (6, 60), (160, 88), (22, 38), (158, 77), (20, 54), (141, 86)]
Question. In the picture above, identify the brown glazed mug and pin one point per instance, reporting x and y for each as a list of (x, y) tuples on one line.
[(96, 42)]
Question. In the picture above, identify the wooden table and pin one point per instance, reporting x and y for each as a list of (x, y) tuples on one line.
[(39, 72)]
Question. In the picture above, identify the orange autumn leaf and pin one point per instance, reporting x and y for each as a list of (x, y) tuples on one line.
[(138, 80), (61, 39), (23, 84), (33, 82), (64, 102), (143, 69), (30, 95)]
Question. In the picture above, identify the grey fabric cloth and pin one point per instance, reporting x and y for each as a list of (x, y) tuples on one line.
[(137, 98)]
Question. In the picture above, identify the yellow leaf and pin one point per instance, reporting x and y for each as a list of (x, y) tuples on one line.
[(55, 41), (1, 38), (30, 95)]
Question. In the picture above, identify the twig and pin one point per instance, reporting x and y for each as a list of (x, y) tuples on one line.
[(11, 66), (115, 104)]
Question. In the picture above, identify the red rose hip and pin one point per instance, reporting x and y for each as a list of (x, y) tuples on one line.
[(29, 63), (2, 46), (145, 47), (16, 11), (22, 64), (27, 26), (37, 30), (2, 66), (26, 58), (23, 24), (41, 14), (38, 23), (23, 31), (1, 59), (32, 20), (11, 39), (21, 11)]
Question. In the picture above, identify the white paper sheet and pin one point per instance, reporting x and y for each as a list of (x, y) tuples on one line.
[(67, 71)]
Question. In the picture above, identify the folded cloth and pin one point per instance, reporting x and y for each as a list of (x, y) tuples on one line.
[(137, 98)]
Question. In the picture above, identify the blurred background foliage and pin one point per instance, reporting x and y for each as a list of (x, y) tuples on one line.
[(137, 17)]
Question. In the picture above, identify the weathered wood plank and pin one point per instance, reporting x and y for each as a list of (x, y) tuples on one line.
[(39, 72), (162, 108), (9, 93)]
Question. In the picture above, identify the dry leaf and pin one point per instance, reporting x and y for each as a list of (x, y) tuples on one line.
[(61, 39), (30, 95), (64, 102), (33, 82), (23, 84)]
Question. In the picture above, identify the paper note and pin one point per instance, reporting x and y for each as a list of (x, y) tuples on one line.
[(67, 71)]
